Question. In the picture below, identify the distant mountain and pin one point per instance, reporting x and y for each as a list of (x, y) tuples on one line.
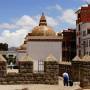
[(12, 49)]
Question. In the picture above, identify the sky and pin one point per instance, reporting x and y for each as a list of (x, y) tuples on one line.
[(18, 17)]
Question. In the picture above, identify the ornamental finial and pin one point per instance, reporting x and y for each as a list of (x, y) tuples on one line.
[(42, 13)]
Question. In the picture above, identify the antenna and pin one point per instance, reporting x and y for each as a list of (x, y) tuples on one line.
[(87, 2)]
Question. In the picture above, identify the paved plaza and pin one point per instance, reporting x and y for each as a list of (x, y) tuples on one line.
[(40, 87)]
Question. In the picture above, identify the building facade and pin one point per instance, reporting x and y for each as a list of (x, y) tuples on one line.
[(41, 42), (83, 31), (69, 44)]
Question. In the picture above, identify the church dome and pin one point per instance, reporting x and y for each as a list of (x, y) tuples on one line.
[(43, 29)]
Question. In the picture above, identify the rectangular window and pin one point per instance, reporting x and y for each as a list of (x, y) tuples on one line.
[(79, 53), (79, 27), (88, 31), (79, 40), (79, 15), (89, 43), (84, 45), (84, 33), (38, 66)]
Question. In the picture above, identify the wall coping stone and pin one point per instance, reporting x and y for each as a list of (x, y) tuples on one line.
[(64, 62), (26, 58), (51, 58), (76, 58), (86, 58)]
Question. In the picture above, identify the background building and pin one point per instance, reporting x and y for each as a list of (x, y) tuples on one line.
[(83, 31), (69, 44)]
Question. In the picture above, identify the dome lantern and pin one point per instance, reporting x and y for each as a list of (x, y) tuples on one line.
[(43, 29), (42, 21)]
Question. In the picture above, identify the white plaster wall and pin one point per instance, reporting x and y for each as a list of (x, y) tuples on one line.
[(39, 50)]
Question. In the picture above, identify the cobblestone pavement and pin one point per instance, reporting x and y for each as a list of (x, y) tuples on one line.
[(40, 87)]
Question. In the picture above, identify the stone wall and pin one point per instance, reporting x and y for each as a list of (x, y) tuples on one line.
[(51, 72), (65, 67), (76, 70), (81, 71), (73, 69), (25, 66), (26, 75), (2, 69), (18, 78), (85, 75)]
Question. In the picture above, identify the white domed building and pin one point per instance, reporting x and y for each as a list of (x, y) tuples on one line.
[(42, 42)]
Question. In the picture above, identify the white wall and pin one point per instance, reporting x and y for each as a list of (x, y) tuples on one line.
[(39, 50)]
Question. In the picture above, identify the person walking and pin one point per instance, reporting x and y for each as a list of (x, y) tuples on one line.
[(65, 78)]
